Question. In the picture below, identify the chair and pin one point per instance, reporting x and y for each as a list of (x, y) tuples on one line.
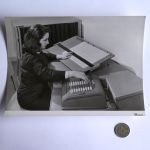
[(13, 103)]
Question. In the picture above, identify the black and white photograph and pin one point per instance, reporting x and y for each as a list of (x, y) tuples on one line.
[(75, 64)]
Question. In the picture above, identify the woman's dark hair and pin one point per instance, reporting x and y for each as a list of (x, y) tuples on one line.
[(33, 36)]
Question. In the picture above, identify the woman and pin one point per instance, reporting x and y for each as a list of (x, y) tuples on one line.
[(34, 92)]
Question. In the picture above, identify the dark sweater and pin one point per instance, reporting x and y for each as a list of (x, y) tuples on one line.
[(34, 92)]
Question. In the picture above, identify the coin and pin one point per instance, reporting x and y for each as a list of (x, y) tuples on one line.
[(122, 130)]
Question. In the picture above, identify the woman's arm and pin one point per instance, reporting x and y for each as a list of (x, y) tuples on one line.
[(45, 73), (50, 56), (64, 55), (49, 75)]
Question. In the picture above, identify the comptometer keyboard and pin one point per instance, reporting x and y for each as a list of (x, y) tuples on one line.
[(78, 94)]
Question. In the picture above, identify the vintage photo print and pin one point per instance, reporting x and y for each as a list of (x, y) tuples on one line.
[(75, 65)]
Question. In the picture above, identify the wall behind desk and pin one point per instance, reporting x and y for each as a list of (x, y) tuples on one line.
[(123, 36)]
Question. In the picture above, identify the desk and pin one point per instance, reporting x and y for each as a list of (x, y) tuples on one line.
[(56, 96)]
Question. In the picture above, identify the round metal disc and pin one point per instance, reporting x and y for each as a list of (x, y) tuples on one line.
[(122, 130)]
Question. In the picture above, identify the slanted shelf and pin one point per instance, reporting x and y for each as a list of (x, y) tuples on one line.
[(85, 56)]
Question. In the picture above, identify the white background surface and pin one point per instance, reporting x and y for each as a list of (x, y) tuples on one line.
[(84, 132)]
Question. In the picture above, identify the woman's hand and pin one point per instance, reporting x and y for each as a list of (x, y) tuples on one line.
[(77, 74), (64, 55)]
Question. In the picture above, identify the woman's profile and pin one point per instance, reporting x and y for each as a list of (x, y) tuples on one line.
[(34, 92)]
